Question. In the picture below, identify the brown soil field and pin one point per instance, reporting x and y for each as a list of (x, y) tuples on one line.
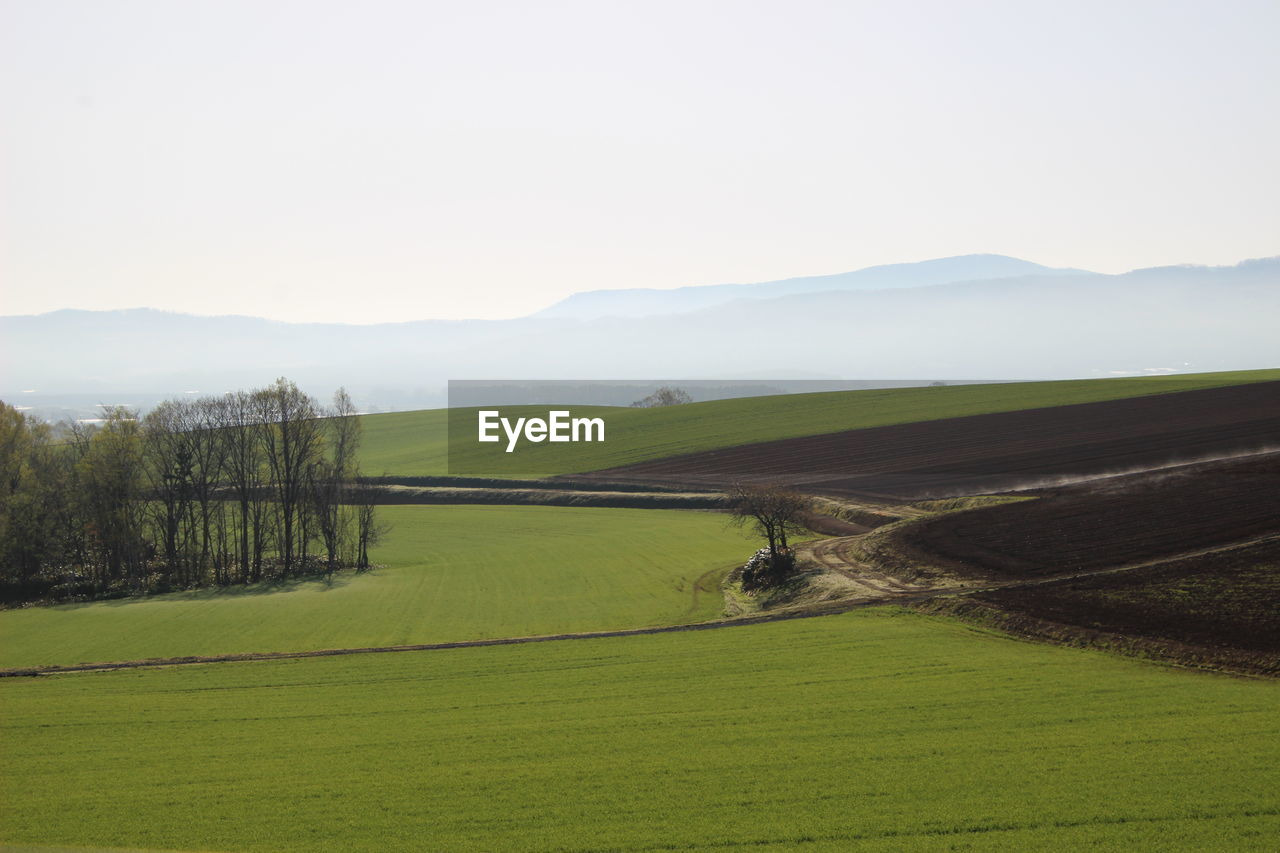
[(1108, 522), (1228, 598), (1033, 448)]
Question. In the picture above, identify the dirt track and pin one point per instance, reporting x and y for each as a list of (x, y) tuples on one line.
[(833, 556), (992, 453), (838, 607), (1091, 530)]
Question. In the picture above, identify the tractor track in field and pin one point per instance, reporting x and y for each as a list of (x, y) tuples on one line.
[(829, 553), (755, 619)]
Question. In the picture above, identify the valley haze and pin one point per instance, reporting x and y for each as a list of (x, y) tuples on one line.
[(963, 318)]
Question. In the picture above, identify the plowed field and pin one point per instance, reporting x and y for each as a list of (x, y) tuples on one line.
[(993, 452), (1226, 599), (1112, 522)]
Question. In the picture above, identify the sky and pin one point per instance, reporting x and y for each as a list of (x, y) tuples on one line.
[(379, 161)]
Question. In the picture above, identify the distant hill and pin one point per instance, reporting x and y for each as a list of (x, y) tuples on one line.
[(1055, 326), (648, 302)]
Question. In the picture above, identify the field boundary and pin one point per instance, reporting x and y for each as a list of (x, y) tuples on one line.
[(1025, 626), (826, 608), (892, 592), (755, 619)]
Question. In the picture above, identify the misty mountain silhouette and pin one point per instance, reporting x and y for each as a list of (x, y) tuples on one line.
[(1042, 326), (647, 302)]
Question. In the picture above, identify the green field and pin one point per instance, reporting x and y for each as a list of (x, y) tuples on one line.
[(451, 573), (416, 443), (881, 730)]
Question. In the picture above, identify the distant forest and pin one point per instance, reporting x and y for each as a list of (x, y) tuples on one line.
[(243, 487)]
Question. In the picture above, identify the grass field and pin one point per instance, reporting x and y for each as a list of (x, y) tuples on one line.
[(451, 573), (880, 730), (416, 443)]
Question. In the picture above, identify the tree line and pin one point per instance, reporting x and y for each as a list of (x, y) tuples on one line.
[(237, 488)]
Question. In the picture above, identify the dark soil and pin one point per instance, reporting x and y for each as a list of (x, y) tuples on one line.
[(1227, 599), (991, 453), (1112, 522)]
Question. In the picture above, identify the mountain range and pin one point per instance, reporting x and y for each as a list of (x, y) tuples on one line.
[(972, 317), (649, 302)]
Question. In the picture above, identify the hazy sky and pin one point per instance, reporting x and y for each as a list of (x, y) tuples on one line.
[(391, 161)]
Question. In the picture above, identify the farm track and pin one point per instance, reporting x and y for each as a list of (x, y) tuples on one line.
[(833, 555), (839, 607), (880, 589), (980, 454), (1106, 523)]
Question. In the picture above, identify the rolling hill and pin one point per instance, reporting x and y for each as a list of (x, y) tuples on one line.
[(416, 443), (994, 452)]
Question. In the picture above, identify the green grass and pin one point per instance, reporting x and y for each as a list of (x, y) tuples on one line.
[(880, 730), (452, 573), (416, 443), (405, 443)]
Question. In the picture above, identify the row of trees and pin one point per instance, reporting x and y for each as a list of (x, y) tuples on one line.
[(236, 488)]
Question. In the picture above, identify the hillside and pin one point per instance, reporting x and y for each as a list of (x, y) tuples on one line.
[(993, 452), (1181, 564), (416, 443), (1110, 522), (874, 731)]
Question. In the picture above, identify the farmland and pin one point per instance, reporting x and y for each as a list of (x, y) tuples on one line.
[(1217, 610), (994, 452), (1112, 522), (1182, 563), (881, 730), (450, 573), (415, 443)]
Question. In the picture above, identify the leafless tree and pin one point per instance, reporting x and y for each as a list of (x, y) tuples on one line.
[(773, 511), (332, 475), (245, 474), (664, 396), (290, 429), (368, 529)]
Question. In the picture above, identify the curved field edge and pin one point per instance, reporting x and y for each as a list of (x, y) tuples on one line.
[(416, 443), (881, 729), (1216, 610), (1016, 622), (449, 573)]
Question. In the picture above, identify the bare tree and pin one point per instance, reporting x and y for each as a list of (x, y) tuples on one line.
[(368, 529), (664, 396), (290, 429), (332, 475), (773, 511), (245, 474), (168, 470)]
